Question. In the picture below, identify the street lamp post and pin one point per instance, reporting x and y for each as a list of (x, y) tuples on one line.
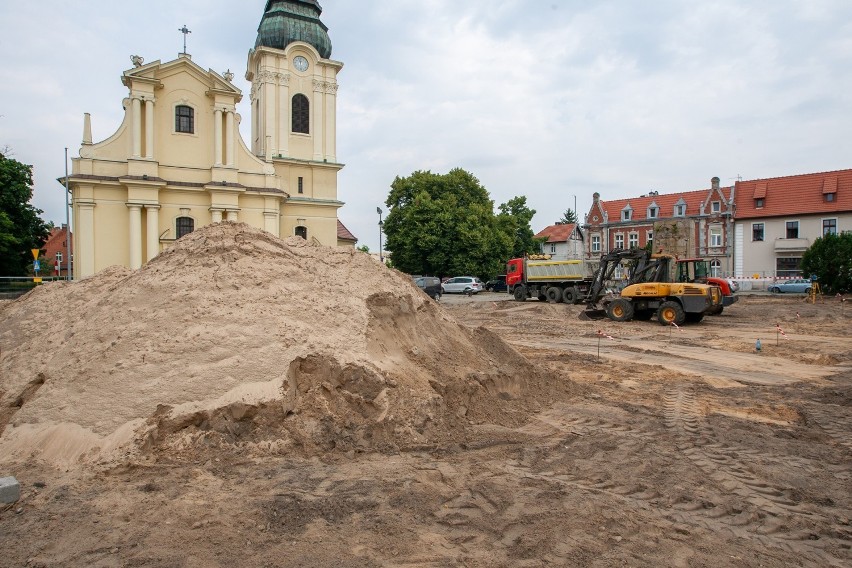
[(381, 223)]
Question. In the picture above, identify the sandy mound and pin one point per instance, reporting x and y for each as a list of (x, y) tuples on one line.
[(236, 338)]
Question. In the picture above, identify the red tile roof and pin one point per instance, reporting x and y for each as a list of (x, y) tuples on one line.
[(795, 195), (344, 234), (556, 233), (666, 203)]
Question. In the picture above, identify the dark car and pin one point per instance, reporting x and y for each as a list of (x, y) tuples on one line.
[(497, 284), (430, 285)]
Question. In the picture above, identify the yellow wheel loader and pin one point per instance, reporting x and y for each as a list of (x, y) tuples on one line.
[(649, 291)]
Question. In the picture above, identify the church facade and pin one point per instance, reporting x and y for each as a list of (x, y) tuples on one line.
[(177, 162)]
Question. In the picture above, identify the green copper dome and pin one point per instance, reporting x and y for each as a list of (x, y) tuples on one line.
[(286, 21)]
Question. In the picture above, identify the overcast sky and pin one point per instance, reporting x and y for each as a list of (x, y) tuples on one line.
[(550, 99)]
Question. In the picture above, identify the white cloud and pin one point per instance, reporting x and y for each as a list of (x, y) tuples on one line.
[(548, 100)]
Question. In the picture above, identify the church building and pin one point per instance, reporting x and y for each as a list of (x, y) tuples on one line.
[(178, 162)]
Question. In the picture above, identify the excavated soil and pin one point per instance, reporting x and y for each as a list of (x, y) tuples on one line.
[(246, 401)]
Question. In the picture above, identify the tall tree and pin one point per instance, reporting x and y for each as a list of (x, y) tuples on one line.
[(21, 228), (568, 218), (444, 225), (830, 259), (517, 218)]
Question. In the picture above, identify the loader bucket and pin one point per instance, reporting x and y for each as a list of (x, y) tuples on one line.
[(592, 314)]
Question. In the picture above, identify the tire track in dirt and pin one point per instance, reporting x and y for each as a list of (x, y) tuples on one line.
[(833, 420), (766, 508)]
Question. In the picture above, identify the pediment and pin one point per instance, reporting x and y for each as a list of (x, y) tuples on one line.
[(156, 71)]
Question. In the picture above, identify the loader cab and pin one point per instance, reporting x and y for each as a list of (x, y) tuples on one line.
[(692, 270)]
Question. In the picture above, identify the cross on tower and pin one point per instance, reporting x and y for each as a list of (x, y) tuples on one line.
[(184, 30)]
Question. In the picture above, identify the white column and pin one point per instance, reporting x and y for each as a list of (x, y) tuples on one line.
[(317, 127), (217, 137), (216, 215), (270, 222), (84, 245), (152, 247), (136, 110), (284, 118), (330, 124), (149, 129), (233, 215), (135, 235), (229, 138), (270, 139)]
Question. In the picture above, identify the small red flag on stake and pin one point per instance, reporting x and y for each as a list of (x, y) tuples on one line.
[(797, 315), (781, 331), (602, 334), (677, 327)]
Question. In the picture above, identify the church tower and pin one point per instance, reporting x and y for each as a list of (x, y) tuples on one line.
[(294, 84)]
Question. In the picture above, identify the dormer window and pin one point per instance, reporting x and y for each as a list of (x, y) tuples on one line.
[(653, 211), (679, 210), (829, 197), (627, 213), (716, 207), (758, 203)]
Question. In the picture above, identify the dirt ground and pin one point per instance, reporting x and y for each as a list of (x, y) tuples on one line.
[(657, 447)]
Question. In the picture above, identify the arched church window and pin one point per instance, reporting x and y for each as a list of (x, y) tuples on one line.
[(185, 119), (301, 114), (302, 232), (184, 226)]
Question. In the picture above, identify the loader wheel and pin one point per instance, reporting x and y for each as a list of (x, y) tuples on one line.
[(569, 295), (620, 310), (554, 295), (671, 312), (520, 293)]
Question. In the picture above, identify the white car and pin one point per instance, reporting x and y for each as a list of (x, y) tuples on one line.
[(462, 285)]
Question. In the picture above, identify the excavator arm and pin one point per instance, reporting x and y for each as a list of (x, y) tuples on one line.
[(606, 270)]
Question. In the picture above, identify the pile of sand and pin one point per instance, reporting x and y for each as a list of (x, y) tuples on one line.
[(236, 338)]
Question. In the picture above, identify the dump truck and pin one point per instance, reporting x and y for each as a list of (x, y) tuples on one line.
[(567, 281), (650, 291)]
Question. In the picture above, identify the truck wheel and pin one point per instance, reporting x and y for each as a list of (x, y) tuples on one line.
[(554, 295), (569, 295), (671, 312), (520, 294), (620, 310)]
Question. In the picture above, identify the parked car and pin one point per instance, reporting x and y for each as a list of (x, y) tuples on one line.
[(497, 284), (463, 285), (796, 286), (430, 285)]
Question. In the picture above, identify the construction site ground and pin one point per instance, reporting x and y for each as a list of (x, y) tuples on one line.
[(672, 447)]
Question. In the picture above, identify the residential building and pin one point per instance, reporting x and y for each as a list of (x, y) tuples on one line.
[(344, 237), (55, 251), (178, 162), (777, 219), (688, 224), (564, 241)]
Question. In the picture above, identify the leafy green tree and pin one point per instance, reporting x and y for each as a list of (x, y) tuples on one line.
[(363, 248), (445, 225), (21, 229), (568, 218), (830, 258), (516, 218)]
